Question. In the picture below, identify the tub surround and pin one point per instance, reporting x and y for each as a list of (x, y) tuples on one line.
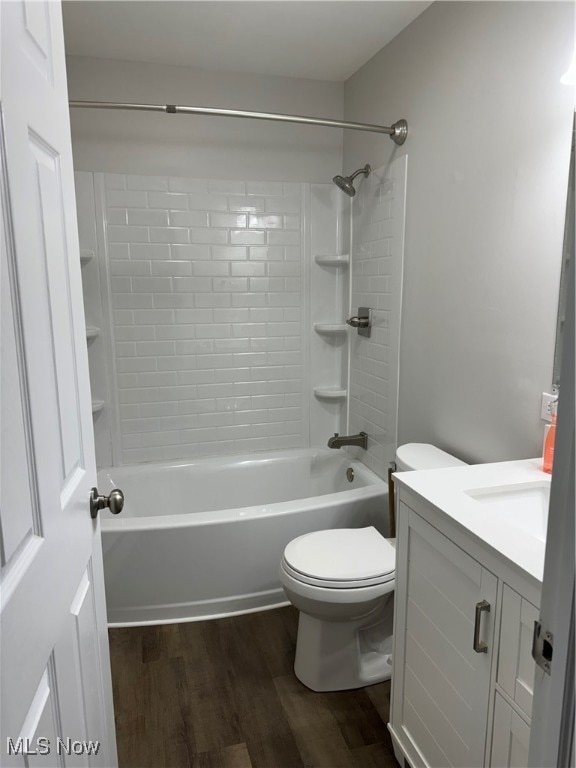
[(378, 216), (201, 289), (208, 315), (221, 307), (328, 278)]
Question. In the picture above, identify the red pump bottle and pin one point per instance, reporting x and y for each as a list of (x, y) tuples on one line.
[(549, 440)]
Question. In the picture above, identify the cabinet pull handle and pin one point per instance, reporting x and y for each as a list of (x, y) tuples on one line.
[(478, 645)]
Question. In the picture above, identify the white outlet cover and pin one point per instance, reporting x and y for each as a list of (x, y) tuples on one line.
[(547, 400)]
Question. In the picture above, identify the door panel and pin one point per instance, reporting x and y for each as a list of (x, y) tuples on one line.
[(46, 166), (54, 650), (36, 37), (40, 723), (19, 519), (77, 666)]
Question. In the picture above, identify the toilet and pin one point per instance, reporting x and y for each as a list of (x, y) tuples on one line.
[(342, 582)]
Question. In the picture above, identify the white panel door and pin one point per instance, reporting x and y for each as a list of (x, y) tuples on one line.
[(54, 647)]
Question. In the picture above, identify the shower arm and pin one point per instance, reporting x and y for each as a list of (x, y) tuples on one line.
[(365, 170), (397, 132)]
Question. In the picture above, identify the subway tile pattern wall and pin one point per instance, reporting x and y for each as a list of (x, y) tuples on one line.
[(208, 315), (377, 260)]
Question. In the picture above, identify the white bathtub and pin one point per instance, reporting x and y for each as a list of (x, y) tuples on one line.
[(204, 539)]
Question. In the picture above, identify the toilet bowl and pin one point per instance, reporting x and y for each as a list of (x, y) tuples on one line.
[(342, 582)]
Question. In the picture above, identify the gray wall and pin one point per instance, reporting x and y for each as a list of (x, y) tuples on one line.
[(205, 147), (488, 159)]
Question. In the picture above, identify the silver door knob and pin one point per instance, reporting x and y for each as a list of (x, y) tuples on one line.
[(114, 502)]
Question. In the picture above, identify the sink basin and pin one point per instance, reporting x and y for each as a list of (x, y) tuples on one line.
[(522, 505)]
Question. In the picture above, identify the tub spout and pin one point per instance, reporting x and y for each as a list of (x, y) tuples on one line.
[(338, 441)]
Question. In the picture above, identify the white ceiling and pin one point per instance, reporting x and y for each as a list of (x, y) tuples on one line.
[(318, 40)]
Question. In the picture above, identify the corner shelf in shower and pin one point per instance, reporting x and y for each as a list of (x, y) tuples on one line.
[(330, 329), (91, 332), (97, 405), (330, 393), (332, 261), (86, 256)]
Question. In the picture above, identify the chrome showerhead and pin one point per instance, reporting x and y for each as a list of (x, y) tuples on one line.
[(345, 183)]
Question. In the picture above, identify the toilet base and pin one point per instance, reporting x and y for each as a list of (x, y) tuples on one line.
[(338, 656)]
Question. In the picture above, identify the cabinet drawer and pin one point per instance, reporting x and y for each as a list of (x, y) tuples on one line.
[(510, 737), (516, 667)]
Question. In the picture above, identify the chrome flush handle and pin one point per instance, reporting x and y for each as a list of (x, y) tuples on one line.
[(114, 502)]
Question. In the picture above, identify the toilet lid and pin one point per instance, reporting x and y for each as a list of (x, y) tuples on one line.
[(342, 557)]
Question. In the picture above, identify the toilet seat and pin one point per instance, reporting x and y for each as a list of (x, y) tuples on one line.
[(343, 558)]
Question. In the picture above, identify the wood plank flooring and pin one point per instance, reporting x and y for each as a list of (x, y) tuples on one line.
[(222, 694)]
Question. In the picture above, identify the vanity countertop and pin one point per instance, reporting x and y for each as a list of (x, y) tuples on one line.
[(504, 505)]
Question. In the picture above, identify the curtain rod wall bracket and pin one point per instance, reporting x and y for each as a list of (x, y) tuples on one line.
[(400, 133), (397, 132)]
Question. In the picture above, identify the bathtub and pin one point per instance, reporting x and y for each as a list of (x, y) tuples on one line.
[(204, 539)]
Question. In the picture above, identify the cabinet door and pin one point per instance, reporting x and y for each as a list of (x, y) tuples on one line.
[(516, 667), (510, 739), (441, 685)]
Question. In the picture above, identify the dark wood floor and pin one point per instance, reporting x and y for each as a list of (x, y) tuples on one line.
[(222, 694)]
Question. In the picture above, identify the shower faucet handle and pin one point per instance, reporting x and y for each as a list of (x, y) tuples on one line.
[(362, 321), (358, 322)]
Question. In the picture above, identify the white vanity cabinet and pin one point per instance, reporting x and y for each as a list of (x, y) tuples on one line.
[(463, 672)]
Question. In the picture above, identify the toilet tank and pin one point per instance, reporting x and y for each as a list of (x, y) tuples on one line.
[(424, 456)]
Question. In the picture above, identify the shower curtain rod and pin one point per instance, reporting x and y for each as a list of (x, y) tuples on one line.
[(397, 132)]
